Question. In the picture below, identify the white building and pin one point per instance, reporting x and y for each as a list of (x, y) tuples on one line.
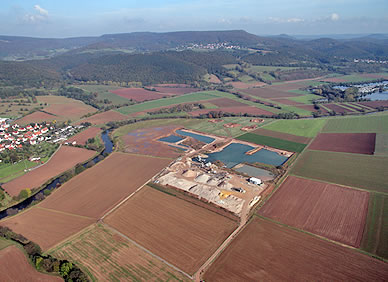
[(255, 180)]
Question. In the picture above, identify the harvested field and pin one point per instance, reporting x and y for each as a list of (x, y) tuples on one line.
[(376, 228), (287, 102), (95, 191), (175, 90), (337, 108), (225, 102), (144, 141), (381, 146), (353, 107), (180, 232), (64, 159), (329, 210), (311, 108), (265, 251), (364, 124), (358, 143), (235, 110), (138, 94), (72, 111), (301, 127), (375, 104), (269, 93), (362, 171), (107, 256), (272, 142), (104, 117), (14, 266), (243, 85), (375, 75), (46, 227), (83, 136), (37, 117), (280, 135)]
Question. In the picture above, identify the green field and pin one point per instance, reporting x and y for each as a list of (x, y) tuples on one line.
[(362, 171), (205, 126), (4, 243), (268, 68), (193, 97), (305, 99), (105, 256), (273, 142), (7, 170), (376, 229), (300, 127), (381, 147), (103, 93), (365, 124)]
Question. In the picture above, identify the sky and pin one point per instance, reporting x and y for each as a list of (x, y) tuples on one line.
[(71, 18)]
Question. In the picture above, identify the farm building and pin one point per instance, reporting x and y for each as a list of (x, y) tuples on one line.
[(255, 180)]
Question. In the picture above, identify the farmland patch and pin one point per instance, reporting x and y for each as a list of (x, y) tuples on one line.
[(273, 142), (105, 117), (269, 93), (83, 136), (381, 147), (265, 251), (329, 210), (284, 136), (301, 127), (138, 94), (365, 124)]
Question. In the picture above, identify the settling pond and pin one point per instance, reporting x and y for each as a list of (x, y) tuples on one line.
[(108, 147), (198, 137), (234, 154)]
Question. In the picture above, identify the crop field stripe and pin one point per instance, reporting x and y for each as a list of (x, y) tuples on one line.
[(273, 142), (363, 124), (145, 250), (65, 213), (147, 156)]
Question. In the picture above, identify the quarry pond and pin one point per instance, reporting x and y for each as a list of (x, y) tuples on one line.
[(235, 153)]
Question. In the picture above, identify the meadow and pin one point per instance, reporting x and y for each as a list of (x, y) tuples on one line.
[(301, 127)]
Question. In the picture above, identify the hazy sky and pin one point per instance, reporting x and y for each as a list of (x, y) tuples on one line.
[(64, 18)]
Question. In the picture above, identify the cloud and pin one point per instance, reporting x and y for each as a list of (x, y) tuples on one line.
[(282, 20), (334, 17), (40, 15)]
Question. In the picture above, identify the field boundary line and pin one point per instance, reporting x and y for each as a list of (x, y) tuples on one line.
[(66, 213), (52, 155), (145, 250)]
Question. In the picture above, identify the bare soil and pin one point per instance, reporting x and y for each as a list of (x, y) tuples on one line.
[(83, 136)]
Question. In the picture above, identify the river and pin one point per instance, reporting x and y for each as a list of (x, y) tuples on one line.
[(108, 147)]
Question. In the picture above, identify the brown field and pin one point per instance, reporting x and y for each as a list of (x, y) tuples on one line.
[(337, 108), (310, 108), (351, 106), (265, 251), (180, 232), (287, 102), (280, 135), (269, 93), (36, 117), (234, 110), (358, 143), (214, 79), (109, 257), (95, 191), (333, 79), (14, 266), (65, 158), (46, 227), (375, 104), (83, 136), (175, 90), (329, 210), (225, 102), (374, 75), (144, 141), (72, 111), (138, 94), (288, 86), (243, 85), (104, 117)]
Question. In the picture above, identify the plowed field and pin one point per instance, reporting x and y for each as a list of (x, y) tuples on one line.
[(37, 117), (235, 110), (83, 136), (175, 90), (337, 108), (328, 210), (46, 227), (269, 93), (72, 111), (66, 158), (359, 143), (265, 251), (98, 189), (14, 266), (180, 232), (138, 94), (104, 117), (225, 102)]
